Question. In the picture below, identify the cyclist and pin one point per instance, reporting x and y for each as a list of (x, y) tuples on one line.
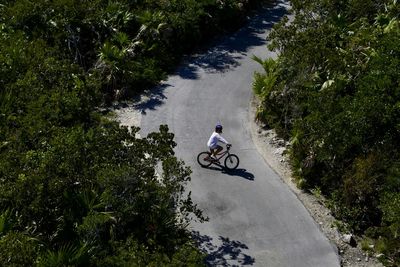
[(213, 142)]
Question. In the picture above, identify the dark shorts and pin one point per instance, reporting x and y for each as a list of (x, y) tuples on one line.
[(216, 147)]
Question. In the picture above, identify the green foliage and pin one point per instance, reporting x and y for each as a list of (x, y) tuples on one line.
[(73, 185), (391, 210), (390, 206), (75, 188), (18, 249), (132, 254), (336, 96), (67, 255), (367, 244), (93, 187), (264, 83), (5, 222), (132, 44)]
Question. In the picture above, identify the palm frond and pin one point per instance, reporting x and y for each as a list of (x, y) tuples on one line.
[(258, 84), (5, 222), (67, 255), (269, 65)]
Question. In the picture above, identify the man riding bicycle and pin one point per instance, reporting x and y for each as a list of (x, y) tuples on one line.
[(207, 158), (213, 141)]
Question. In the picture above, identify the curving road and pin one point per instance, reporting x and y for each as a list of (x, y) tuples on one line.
[(254, 218)]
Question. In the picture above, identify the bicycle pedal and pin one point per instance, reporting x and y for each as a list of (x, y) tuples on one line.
[(208, 159)]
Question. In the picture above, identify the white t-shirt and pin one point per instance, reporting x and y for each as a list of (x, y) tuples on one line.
[(214, 139)]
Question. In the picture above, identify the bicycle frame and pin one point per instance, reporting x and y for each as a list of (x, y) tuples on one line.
[(221, 154)]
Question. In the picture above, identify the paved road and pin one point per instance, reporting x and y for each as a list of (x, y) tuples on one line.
[(254, 218)]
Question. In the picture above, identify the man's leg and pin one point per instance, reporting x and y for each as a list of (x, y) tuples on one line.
[(215, 151), (219, 149), (212, 152)]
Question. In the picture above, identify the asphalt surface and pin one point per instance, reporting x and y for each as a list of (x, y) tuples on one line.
[(254, 218)]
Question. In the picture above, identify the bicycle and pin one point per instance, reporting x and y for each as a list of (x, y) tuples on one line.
[(231, 161)]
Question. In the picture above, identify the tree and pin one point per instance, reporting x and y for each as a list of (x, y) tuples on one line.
[(334, 94)]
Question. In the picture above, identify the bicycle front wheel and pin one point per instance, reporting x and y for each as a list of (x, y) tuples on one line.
[(204, 159), (231, 162)]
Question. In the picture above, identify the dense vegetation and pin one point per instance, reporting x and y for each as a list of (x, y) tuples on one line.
[(334, 92), (75, 188)]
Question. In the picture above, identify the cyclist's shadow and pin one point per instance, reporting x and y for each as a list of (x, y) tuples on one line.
[(236, 172)]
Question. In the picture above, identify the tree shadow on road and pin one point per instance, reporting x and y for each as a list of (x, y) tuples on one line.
[(224, 53), (221, 55), (152, 99), (228, 253)]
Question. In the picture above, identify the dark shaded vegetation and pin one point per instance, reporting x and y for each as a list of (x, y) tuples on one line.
[(130, 45), (334, 92), (76, 189)]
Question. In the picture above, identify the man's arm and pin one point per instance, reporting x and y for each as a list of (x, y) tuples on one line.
[(220, 138)]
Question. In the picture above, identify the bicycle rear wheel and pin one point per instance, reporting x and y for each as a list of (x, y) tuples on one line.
[(204, 159), (231, 162)]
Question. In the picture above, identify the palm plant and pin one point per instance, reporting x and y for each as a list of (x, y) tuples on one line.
[(67, 255), (110, 62), (263, 83)]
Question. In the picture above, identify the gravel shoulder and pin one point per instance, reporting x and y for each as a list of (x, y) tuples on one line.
[(272, 150)]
